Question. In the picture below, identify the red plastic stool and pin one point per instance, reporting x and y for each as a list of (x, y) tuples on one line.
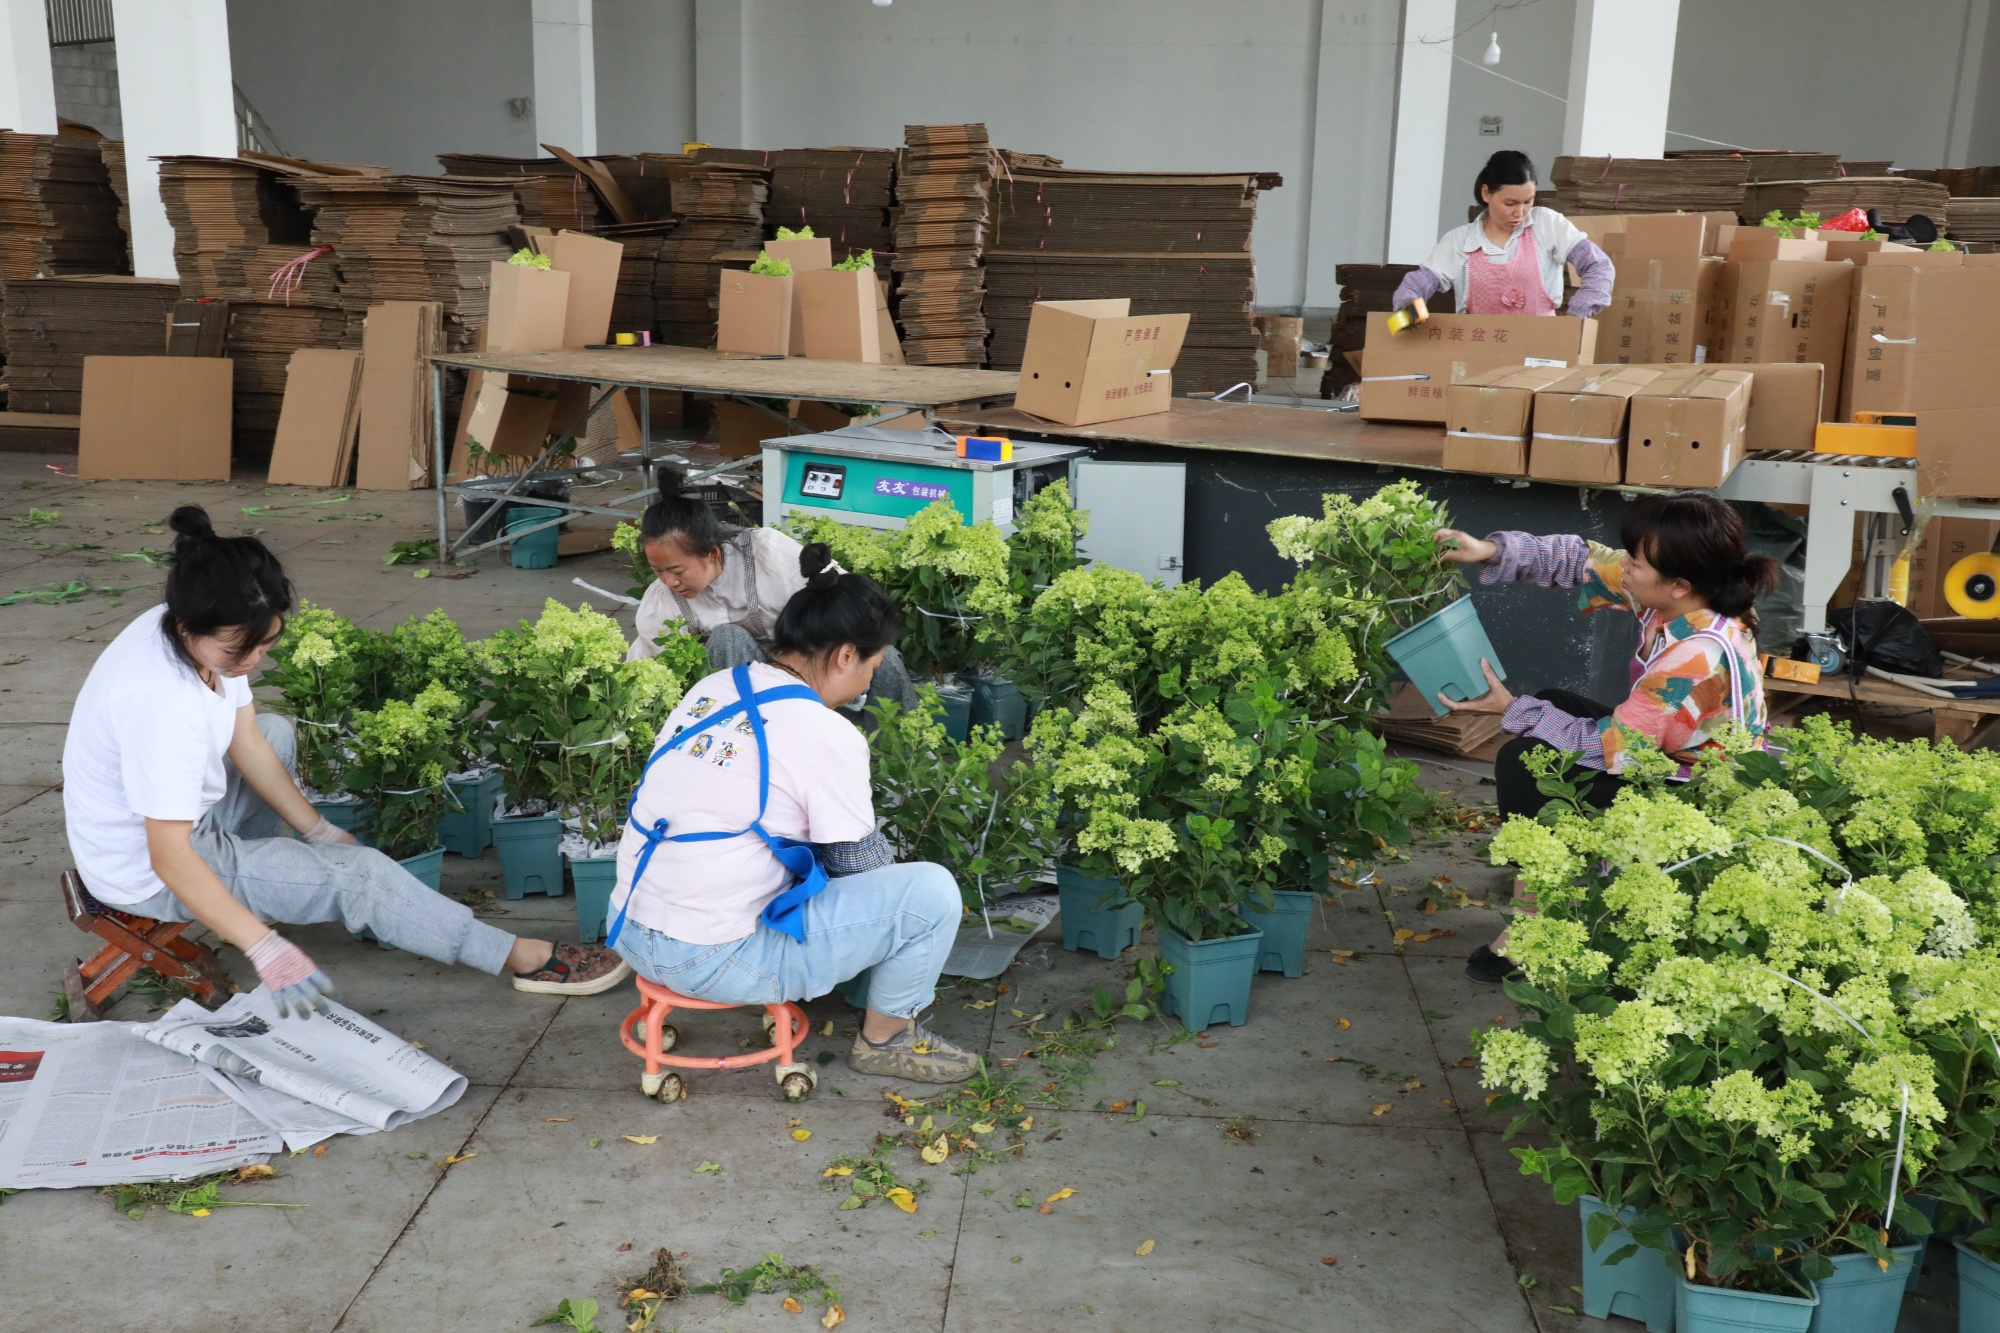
[(648, 1035)]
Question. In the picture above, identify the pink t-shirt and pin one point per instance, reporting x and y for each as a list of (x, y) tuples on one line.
[(712, 892)]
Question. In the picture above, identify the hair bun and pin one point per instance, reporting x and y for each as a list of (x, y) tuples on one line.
[(670, 480), (816, 563), (190, 523)]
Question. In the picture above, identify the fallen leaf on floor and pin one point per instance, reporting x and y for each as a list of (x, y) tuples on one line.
[(199, 1212), (937, 1152), (1026, 1124), (456, 1158), (792, 1306), (420, 1046), (641, 1139), (320, 1151), (1493, 1097), (1412, 1085), (1206, 1045), (1118, 1106), (1469, 1062), (1002, 989), (980, 1004), (1145, 1248), (1045, 1209), (1166, 1083), (260, 1171), (709, 1168), (801, 1135), (902, 1198), (1448, 1102), (1428, 936), (1341, 956), (793, 1124), (1330, 1260), (1404, 934), (1564, 1309), (1379, 1108), (926, 1233), (557, 1119), (837, 1171), (1059, 1195), (834, 1314), (594, 1140), (1344, 1024), (982, 1127), (626, 1246), (1427, 907)]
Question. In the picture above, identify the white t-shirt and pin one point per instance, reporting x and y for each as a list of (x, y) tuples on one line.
[(146, 741), (748, 594), (712, 892)]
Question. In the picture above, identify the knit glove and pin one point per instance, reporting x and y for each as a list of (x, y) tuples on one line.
[(295, 981), (328, 831)]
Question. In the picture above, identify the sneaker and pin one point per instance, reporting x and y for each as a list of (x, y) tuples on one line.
[(916, 1054), (575, 969), (1490, 968)]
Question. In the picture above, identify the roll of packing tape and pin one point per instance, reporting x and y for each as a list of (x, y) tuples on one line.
[(1972, 586)]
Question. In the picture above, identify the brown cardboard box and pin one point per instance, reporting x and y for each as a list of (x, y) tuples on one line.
[(1687, 427), (1784, 404), (1579, 430), (1407, 374), (1278, 339), (155, 418), (755, 315), (394, 449), (527, 308), (1665, 236), (591, 262), (807, 256), (1091, 361), (1608, 230), (1946, 542), (1787, 311), (840, 316), (1753, 245), (745, 428), (1839, 246), (1486, 419), (1881, 343), (1957, 395), (1662, 310)]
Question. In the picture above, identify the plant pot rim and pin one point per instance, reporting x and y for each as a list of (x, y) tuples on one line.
[(589, 860), (1254, 932), (1958, 1243), (1747, 1295), (418, 856)]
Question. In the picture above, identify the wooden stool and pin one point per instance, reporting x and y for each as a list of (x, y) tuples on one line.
[(647, 1034), (132, 942)]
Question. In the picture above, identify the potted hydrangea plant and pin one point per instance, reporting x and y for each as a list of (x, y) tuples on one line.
[(432, 650), (322, 666), (401, 753)]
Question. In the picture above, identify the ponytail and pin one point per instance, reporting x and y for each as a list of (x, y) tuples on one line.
[(835, 608), (227, 586), (683, 518), (1696, 536)]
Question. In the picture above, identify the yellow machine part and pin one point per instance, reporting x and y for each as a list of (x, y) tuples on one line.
[(1972, 586), (1839, 437)]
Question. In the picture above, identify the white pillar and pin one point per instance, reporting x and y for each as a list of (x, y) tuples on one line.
[(719, 52), (1621, 73), (27, 82), (1348, 174), (177, 96), (1423, 101), (565, 76)]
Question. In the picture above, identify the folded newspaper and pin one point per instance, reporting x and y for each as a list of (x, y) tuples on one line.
[(983, 948)]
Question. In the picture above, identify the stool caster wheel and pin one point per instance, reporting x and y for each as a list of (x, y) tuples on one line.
[(669, 1036), (770, 1026), (796, 1082), (667, 1087)]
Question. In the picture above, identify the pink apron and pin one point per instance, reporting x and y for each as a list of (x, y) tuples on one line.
[(1512, 288)]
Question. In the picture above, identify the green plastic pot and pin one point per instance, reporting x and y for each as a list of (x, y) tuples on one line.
[(954, 709), (357, 817), (854, 990), (530, 858), (1211, 979), (467, 828), (1096, 914), (1443, 652), (1978, 1291), (1284, 928), (995, 702), (1639, 1286), (536, 550), (1860, 1297), (1699, 1309), (594, 877)]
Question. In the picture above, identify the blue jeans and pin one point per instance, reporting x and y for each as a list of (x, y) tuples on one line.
[(899, 920)]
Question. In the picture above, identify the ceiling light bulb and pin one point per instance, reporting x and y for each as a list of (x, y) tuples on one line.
[(884, 4), (1492, 56)]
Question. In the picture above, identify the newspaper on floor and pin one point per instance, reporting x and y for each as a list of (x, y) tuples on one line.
[(336, 1061), (94, 1104), (1015, 919)]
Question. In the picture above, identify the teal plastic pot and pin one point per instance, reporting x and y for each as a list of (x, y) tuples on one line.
[(1639, 1286), (530, 859), (1978, 1291), (954, 709), (995, 702), (1442, 652), (594, 876), (1699, 1309), (537, 550), (1284, 928), (1860, 1297), (467, 828), (1096, 914), (426, 866), (357, 817), (854, 990), (1211, 979)]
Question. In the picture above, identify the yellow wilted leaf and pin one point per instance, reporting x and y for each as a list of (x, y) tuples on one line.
[(827, 1031), (836, 1315), (902, 1103), (557, 1119), (1028, 1124), (1690, 1261), (320, 1151), (1379, 1108), (801, 1135), (937, 1152), (902, 1198), (641, 1139), (1412, 1085), (199, 1212), (1341, 955), (1059, 1195), (982, 1128), (1344, 1024), (1404, 934), (1492, 1097), (792, 1305), (1119, 1106), (837, 1171), (980, 1004), (641, 1294), (1145, 1248), (257, 1172), (457, 1158)]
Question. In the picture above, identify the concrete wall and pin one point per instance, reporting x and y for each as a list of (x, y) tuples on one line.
[(390, 82), (86, 79), (1534, 49), (645, 75)]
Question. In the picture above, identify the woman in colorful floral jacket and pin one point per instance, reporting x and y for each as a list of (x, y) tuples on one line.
[(1686, 575)]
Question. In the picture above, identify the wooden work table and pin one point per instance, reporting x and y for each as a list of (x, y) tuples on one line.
[(1232, 427)]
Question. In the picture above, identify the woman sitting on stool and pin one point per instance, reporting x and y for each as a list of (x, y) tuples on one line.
[(756, 792), (1685, 574), (726, 585), (177, 794)]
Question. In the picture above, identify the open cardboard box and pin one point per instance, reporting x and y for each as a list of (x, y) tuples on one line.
[(840, 318), (1091, 361)]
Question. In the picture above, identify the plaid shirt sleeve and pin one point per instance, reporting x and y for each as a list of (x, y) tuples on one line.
[(1581, 736), (840, 859)]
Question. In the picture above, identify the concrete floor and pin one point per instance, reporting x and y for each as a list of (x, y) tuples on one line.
[(1314, 1213)]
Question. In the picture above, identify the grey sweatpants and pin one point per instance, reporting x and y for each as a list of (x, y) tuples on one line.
[(288, 882), (732, 646)]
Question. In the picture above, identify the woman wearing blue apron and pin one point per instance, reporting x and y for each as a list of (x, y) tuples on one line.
[(756, 793)]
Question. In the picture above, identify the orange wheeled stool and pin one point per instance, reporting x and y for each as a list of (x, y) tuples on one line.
[(647, 1034)]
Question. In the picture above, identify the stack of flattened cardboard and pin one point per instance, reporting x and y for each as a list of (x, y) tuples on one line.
[(415, 238), (1646, 184), (1774, 164), (1963, 182), (1975, 219), (58, 212), (1171, 242), (944, 207), (721, 203), (843, 194), (1408, 720), (1365, 287), (263, 335), (647, 180), (1897, 196), (632, 309), (113, 153), (52, 324), (551, 193)]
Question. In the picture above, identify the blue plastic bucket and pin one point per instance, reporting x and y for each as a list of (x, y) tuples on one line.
[(537, 550), (1442, 652), (1862, 1298), (1284, 928), (1640, 1286), (1211, 979)]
